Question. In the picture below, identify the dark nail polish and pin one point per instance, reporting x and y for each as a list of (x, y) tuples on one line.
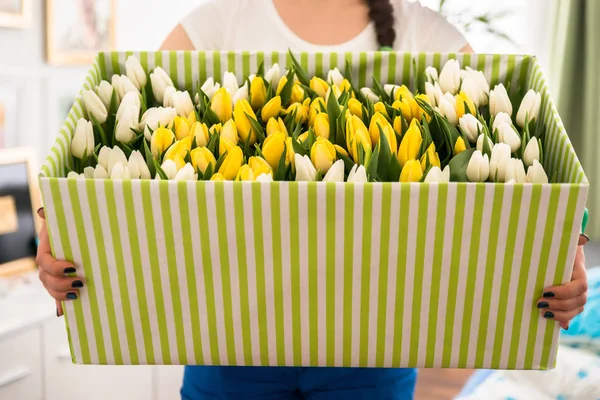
[(77, 284), (548, 294), (70, 270), (541, 304), (548, 314), (71, 296), (57, 312)]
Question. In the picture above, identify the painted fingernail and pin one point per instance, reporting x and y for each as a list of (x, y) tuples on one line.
[(57, 312), (548, 314), (39, 211), (70, 270), (541, 304), (71, 296), (77, 284), (548, 294)]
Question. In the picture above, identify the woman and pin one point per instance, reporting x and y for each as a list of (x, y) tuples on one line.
[(310, 25)]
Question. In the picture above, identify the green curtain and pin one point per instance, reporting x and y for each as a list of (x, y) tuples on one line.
[(574, 70)]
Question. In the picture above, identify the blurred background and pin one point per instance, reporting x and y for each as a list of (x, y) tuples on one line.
[(46, 48)]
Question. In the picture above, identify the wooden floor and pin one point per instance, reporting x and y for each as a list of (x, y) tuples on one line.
[(440, 384)]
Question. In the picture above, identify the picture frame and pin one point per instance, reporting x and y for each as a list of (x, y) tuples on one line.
[(19, 202), (77, 30), (15, 13)]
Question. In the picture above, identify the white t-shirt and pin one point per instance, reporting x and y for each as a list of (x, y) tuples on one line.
[(256, 25)]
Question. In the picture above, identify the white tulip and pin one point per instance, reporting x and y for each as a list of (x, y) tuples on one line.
[(94, 106), (100, 172), (532, 152), (501, 155), (230, 83), (483, 87), (83, 139), (499, 101), (436, 175), (451, 99), (478, 169), (469, 87), (358, 174), (74, 175), (160, 81), (335, 77), (369, 94), (136, 72), (128, 118), (187, 173), (182, 102), (264, 178), (431, 74), (471, 126), (115, 157), (129, 102), (168, 97), (536, 173), (120, 171), (530, 108), (479, 145), (500, 118), (154, 117), (447, 110), (105, 91), (389, 88), (123, 85), (273, 75), (431, 91), (515, 170), (210, 87), (242, 93), (508, 135), (169, 168), (103, 156), (305, 170), (137, 166), (336, 172), (450, 77), (88, 172)]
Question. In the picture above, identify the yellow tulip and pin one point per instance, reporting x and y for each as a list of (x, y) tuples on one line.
[(281, 84), (410, 144), (245, 174), (462, 102), (321, 126), (403, 93), (162, 138), (191, 119), (258, 93), (404, 107), (276, 125), (200, 134), (182, 128), (434, 158), (315, 109), (302, 138), (225, 145), (323, 154), (398, 125), (357, 134), (341, 150), (244, 128), (377, 121), (229, 132), (273, 148), (355, 107), (380, 108), (217, 177), (215, 129), (180, 148), (301, 112), (411, 172), (319, 86), (259, 166), (297, 93), (418, 112), (201, 157), (179, 161), (290, 156), (459, 146), (345, 85), (232, 163), (222, 105), (272, 109)]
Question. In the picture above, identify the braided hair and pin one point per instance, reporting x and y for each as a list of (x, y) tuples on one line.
[(381, 13)]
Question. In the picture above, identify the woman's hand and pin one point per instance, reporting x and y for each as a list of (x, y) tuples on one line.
[(54, 273), (563, 303)]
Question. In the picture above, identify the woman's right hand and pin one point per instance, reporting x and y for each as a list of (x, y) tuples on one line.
[(54, 273)]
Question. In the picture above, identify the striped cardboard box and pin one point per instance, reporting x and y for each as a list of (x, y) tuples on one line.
[(315, 274)]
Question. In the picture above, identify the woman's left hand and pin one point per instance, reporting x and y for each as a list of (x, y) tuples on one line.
[(563, 303)]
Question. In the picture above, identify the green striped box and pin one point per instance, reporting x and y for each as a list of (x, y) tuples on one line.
[(316, 274)]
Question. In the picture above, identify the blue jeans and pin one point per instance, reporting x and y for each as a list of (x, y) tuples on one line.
[(283, 383)]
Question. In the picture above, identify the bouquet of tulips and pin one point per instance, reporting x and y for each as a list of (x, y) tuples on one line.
[(285, 125)]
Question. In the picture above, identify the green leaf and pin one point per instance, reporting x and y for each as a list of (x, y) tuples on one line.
[(144, 105), (297, 131), (101, 131), (260, 133), (348, 163), (344, 97), (286, 91), (300, 73), (372, 167), (385, 156), (311, 93), (298, 148), (246, 149), (202, 103), (395, 170), (312, 138), (209, 172), (348, 72), (150, 100), (280, 171), (458, 166), (149, 159), (261, 69), (219, 162), (159, 170), (126, 149), (259, 152), (210, 117), (333, 111), (213, 143)]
